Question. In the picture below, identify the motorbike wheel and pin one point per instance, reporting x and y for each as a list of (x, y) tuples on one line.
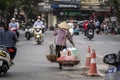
[(90, 38), (4, 68), (38, 42), (27, 35)]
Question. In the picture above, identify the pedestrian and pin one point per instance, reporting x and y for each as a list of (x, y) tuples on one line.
[(71, 25), (61, 35), (8, 39)]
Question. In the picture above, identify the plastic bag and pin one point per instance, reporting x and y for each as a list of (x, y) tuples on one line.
[(70, 54)]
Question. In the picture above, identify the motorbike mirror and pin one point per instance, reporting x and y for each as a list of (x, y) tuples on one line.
[(110, 59)]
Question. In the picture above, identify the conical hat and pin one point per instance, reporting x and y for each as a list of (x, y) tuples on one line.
[(63, 25)]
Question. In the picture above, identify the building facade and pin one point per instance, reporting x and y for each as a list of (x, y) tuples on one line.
[(60, 10)]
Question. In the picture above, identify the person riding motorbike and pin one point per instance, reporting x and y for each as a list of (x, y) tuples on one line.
[(91, 26), (61, 34), (13, 24), (39, 23), (8, 39)]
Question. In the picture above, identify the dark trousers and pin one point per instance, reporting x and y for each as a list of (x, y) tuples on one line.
[(85, 32), (58, 49), (12, 54)]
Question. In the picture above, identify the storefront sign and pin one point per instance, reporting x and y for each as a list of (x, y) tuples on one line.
[(55, 6), (67, 6)]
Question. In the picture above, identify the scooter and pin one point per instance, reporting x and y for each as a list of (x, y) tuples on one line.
[(38, 34), (113, 60), (4, 60), (28, 32), (15, 31), (90, 34)]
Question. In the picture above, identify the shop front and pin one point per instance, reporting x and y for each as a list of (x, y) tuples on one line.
[(64, 10), (102, 15)]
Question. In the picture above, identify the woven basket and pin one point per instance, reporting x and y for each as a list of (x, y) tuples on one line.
[(51, 58), (69, 63)]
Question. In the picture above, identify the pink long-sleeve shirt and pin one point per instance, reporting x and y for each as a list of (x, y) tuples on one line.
[(61, 35)]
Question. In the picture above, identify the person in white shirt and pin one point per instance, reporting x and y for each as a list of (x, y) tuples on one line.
[(39, 23), (70, 23)]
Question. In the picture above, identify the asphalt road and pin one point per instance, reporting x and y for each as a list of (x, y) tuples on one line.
[(31, 62)]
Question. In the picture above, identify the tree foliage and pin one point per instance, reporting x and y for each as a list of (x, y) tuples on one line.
[(7, 7)]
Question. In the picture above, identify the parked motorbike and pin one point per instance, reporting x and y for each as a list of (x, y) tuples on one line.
[(90, 34), (4, 60), (106, 30), (113, 60), (117, 30), (38, 34), (28, 32)]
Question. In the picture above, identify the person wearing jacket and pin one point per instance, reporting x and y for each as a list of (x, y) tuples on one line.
[(61, 35), (91, 26), (8, 39), (13, 24)]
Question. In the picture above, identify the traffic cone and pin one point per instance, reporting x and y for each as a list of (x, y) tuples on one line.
[(88, 58), (93, 69)]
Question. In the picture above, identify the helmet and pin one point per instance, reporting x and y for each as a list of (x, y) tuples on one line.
[(39, 17), (13, 19)]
